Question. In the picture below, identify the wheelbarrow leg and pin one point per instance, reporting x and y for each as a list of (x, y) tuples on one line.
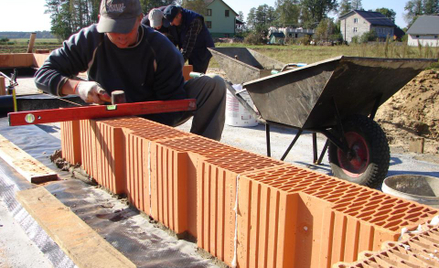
[(267, 138), (375, 106), (325, 147), (314, 146), (292, 144)]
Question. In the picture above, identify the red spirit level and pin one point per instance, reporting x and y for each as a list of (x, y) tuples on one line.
[(99, 111)]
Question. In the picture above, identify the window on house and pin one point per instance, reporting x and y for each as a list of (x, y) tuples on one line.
[(209, 24), (209, 12), (355, 29), (227, 13), (417, 36), (355, 20), (435, 37)]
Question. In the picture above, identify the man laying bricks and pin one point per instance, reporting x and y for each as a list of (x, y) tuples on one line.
[(119, 53), (194, 37)]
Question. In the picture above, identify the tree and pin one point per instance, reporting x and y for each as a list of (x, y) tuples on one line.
[(69, 16), (198, 6), (241, 16), (430, 7), (261, 18), (416, 8), (389, 13), (356, 4), (288, 12), (324, 29), (316, 10), (344, 7), (147, 5), (240, 28)]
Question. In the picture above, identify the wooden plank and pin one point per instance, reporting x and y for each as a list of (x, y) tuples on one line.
[(15, 60), (30, 168), (39, 59), (80, 242), (99, 111), (2, 86)]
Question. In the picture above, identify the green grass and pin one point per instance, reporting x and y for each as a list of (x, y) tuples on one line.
[(21, 45), (286, 54), (310, 54)]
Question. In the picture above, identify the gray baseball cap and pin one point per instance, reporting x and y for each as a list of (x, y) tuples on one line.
[(118, 16), (155, 17)]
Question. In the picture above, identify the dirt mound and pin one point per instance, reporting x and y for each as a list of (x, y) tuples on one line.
[(413, 114)]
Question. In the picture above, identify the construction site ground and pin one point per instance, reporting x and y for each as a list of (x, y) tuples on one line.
[(24, 244)]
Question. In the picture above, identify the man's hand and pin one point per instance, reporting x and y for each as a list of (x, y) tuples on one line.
[(91, 92)]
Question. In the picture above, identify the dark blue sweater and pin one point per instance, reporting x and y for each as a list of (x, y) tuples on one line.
[(130, 69)]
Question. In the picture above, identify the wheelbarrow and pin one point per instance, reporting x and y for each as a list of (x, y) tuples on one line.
[(339, 98)]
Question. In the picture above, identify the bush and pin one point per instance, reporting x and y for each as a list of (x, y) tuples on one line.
[(4, 40), (337, 37), (255, 39), (304, 40), (368, 37), (355, 40)]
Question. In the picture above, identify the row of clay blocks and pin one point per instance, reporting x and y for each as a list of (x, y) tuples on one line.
[(245, 209), (417, 248)]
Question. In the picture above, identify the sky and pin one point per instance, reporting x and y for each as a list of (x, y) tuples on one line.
[(28, 15)]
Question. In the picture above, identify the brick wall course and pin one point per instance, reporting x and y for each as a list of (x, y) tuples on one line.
[(283, 216)]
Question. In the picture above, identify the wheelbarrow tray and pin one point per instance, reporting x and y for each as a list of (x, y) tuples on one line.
[(311, 97), (243, 64)]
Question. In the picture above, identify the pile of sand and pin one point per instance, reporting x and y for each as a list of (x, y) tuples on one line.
[(413, 114)]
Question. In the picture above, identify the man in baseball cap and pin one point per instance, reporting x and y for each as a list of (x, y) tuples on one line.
[(119, 53), (118, 16), (194, 37), (156, 20), (155, 17)]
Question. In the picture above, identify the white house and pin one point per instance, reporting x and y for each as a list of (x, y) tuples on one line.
[(424, 31), (357, 22)]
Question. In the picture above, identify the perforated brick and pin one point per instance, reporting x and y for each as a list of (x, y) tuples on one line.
[(337, 219), (420, 249), (71, 142)]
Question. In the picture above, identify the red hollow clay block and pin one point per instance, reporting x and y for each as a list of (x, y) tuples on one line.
[(169, 194), (110, 156), (87, 148), (329, 208), (267, 226), (71, 142), (216, 199), (420, 249), (216, 224), (136, 172), (147, 129)]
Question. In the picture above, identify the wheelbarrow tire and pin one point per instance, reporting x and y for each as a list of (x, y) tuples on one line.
[(372, 147)]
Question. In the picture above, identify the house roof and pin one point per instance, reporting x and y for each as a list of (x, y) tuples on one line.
[(208, 2), (374, 18), (399, 33), (425, 25), (280, 35)]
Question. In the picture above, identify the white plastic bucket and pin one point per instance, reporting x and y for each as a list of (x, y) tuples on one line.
[(419, 188), (236, 114)]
